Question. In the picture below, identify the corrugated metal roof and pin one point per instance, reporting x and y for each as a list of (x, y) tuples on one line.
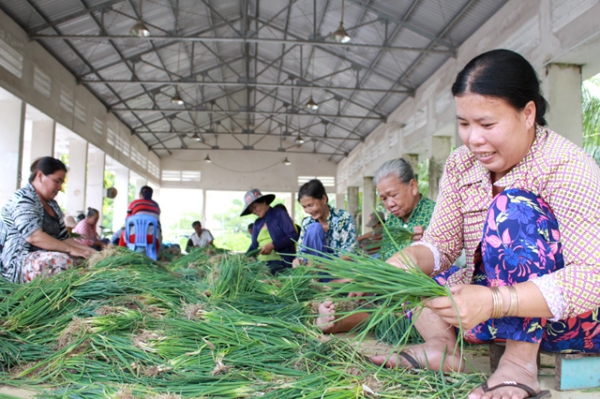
[(277, 70)]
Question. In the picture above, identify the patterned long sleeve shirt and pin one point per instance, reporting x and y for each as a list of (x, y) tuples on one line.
[(556, 170), (22, 215), (341, 235)]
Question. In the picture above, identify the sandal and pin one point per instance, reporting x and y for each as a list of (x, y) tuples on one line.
[(413, 362), (532, 394)]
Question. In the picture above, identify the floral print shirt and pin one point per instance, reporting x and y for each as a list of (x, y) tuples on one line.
[(554, 169), (420, 216), (22, 215), (341, 235)]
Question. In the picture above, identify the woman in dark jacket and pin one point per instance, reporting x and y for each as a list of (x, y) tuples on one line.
[(273, 232)]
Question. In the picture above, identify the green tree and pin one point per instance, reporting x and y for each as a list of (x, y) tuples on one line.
[(180, 230), (131, 194), (591, 117), (423, 177), (233, 233)]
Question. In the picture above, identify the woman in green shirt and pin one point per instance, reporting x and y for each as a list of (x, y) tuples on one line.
[(398, 190)]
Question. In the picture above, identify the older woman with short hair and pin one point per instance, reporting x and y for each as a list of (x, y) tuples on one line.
[(398, 190), (33, 236), (399, 193)]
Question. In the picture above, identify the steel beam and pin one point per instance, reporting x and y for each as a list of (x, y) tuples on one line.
[(159, 47), (75, 15), (92, 38), (242, 83), (235, 112), (254, 150)]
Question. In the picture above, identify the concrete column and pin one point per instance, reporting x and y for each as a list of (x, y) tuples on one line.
[(292, 206), (94, 192), (368, 206), (413, 159), (76, 182), (353, 201), (12, 121), (120, 202), (38, 142), (138, 182), (203, 208), (42, 139), (339, 200), (562, 89), (440, 149)]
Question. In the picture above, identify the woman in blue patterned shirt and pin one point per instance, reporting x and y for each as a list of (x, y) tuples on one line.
[(33, 236), (327, 230)]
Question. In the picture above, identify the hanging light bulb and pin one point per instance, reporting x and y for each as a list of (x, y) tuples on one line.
[(207, 159), (340, 35), (299, 140), (311, 105), (139, 29), (176, 99), (286, 162), (197, 137)]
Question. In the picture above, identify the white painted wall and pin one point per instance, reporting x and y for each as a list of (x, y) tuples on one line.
[(243, 170), (63, 82)]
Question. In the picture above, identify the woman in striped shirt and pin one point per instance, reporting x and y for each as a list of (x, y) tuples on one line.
[(33, 236), (522, 201)]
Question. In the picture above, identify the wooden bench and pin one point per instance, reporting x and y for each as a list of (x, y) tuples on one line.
[(573, 371)]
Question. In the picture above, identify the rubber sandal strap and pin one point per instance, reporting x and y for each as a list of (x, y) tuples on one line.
[(413, 362), (532, 394)]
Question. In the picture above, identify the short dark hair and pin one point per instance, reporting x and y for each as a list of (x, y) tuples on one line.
[(91, 212), (146, 192), (313, 188), (46, 165), (506, 75), (250, 225), (196, 223)]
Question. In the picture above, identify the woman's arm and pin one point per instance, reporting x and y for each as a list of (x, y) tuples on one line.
[(474, 303), (70, 241), (288, 233), (42, 240), (418, 255), (571, 193)]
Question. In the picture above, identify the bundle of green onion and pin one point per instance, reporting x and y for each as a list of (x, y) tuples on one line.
[(129, 328)]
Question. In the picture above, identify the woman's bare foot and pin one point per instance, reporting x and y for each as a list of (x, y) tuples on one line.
[(326, 319), (513, 367), (429, 355)]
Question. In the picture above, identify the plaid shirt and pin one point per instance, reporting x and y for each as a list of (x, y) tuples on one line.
[(556, 170)]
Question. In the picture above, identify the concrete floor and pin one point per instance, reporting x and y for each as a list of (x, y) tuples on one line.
[(477, 356)]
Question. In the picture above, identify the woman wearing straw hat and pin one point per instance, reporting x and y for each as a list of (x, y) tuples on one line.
[(273, 232)]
